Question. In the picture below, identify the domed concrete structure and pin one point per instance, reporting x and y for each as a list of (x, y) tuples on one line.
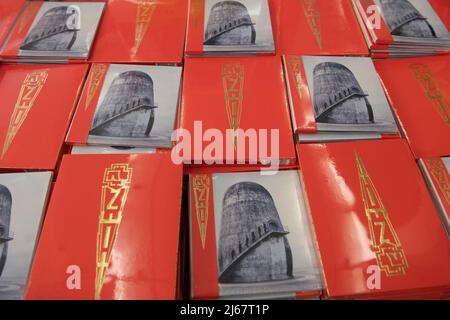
[(128, 107), (253, 246), (5, 218), (56, 30), (338, 97), (229, 24), (405, 20)]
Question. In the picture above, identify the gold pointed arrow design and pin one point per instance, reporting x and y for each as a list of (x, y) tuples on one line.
[(233, 85), (97, 74), (115, 187), (145, 10), (31, 87), (201, 188), (312, 14), (431, 87), (386, 245)]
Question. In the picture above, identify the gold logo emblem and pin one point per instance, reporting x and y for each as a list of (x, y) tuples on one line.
[(29, 91), (115, 187), (385, 243), (233, 84), (98, 71), (145, 10), (295, 66), (440, 176), (312, 14), (200, 187), (431, 87)]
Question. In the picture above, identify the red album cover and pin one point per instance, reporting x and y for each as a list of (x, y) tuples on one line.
[(9, 11), (337, 98), (311, 27), (250, 237), (121, 240), (437, 176), (130, 105), (143, 31), (377, 229), (53, 31), (242, 103), (418, 90), (37, 106)]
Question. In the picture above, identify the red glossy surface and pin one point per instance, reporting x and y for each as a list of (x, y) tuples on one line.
[(264, 103), (145, 254), (163, 24), (418, 90), (38, 140), (20, 30), (204, 276), (9, 10), (334, 28), (301, 101), (332, 183)]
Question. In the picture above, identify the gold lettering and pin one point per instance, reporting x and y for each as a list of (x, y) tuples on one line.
[(115, 187), (430, 86), (200, 187), (385, 247), (31, 87)]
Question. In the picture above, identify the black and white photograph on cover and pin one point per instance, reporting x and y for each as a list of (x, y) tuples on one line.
[(62, 29), (264, 244), (137, 106), (347, 95), (23, 197), (237, 25), (412, 19)]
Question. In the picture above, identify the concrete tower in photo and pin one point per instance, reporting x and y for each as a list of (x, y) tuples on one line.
[(5, 218), (405, 20), (252, 246), (56, 30), (229, 24), (338, 97), (128, 109)]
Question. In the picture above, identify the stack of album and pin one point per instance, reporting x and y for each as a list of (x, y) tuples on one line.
[(111, 230), (127, 106), (417, 89), (309, 27), (223, 27), (437, 175), (53, 32), (378, 231), (9, 12), (235, 111), (402, 28), (337, 99), (141, 31), (251, 237), (38, 102)]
